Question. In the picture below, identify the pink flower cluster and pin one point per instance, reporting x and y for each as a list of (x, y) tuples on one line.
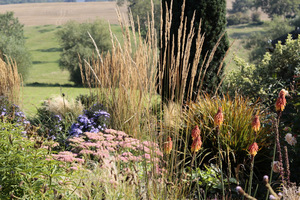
[(112, 144)]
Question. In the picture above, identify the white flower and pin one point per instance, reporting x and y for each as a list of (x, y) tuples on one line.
[(290, 139), (275, 166)]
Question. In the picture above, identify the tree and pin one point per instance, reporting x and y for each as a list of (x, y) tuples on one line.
[(12, 43), (241, 5), (141, 10), (213, 23), (77, 45), (278, 7)]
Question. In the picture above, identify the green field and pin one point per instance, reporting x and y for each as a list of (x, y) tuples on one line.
[(46, 79)]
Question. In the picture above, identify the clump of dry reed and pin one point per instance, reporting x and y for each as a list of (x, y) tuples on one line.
[(125, 78), (10, 81)]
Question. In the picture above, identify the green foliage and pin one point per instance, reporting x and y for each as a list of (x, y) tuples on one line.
[(241, 5), (258, 42), (278, 7), (274, 72), (12, 43), (238, 18), (77, 45), (25, 171)]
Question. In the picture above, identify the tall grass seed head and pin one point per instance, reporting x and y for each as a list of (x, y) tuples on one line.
[(219, 117), (256, 123)]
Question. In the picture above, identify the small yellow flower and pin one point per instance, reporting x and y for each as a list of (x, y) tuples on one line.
[(219, 118)]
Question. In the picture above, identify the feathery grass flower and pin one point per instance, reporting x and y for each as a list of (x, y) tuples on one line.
[(253, 148), (256, 123), (168, 146), (281, 101), (289, 138), (219, 118), (196, 145), (195, 132)]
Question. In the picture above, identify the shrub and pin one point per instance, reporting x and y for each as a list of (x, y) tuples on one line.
[(255, 17), (274, 72), (12, 43), (238, 18), (25, 171), (55, 117), (77, 45)]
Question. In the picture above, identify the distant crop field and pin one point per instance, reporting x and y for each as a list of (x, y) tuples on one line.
[(37, 14)]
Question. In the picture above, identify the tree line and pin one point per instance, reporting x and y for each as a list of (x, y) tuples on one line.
[(3, 2)]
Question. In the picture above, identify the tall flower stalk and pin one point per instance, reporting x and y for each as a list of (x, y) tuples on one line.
[(253, 149), (218, 121)]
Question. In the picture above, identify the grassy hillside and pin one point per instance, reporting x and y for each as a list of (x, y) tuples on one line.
[(45, 78)]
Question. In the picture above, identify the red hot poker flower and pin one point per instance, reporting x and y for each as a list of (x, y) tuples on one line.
[(168, 146), (195, 132), (196, 145), (281, 101), (253, 148), (219, 118), (256, 123)]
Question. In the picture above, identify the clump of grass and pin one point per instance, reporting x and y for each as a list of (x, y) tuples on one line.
[(10, 81), (59, 105), (126, 79)]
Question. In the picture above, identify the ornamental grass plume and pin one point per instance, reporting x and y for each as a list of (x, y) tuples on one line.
[(219, 118), (168, 146), (195, 132), (253, 148), (256, 123), (196, 145), (281, 101)]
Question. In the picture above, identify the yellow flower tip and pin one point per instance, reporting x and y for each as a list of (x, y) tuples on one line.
[(195, 132), (253, 148), (196, 145), (168, 146), (219, 118), (256, 123)]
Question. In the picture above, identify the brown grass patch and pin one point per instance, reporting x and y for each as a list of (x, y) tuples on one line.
[(36, 14), (10, 81)]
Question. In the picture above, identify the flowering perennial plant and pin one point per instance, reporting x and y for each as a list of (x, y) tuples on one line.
[(113, 145), (93, 120)]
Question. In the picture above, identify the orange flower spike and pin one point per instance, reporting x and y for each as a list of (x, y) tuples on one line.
[(281, 101), (253, 148), (168, 146), (219, 118), (195, 132), (197, 143), (256, 123)]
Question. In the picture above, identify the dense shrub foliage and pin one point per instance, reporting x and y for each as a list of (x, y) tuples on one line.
[(77, 45), (12, 43)]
